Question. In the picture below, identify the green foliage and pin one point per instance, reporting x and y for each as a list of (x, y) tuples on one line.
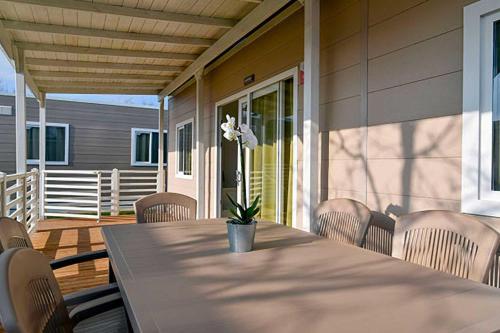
[(242, 215)]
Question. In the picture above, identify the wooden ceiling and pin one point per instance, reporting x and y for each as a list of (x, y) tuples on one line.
[(122, 46)]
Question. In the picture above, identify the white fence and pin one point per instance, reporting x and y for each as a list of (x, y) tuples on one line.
[(72, 193), (121, 188), (88, 194), (19, 197)]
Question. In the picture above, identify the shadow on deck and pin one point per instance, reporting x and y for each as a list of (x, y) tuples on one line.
[(57, 238)]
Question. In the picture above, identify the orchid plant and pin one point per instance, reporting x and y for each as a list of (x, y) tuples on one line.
[(244, 136)]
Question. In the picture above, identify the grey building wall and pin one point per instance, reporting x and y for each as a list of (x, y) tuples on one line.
[(100, 135)]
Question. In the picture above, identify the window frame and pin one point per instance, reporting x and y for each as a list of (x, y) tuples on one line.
[(133, 144), (182, 124), (31, 124), (478, 197)]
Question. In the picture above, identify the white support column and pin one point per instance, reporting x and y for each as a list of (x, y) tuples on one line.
[(115, 192), (311, 111), (160, 184), (41, 152), (20, 113), (200, 146)]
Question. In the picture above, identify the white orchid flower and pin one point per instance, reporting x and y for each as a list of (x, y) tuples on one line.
[(248, 139), (230, 124), (229, 132)]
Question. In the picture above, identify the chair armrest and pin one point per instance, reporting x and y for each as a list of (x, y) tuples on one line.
[(94, 307), (86, 295), (78, 258)]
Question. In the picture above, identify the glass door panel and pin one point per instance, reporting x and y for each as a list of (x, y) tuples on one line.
[(229, 161), (263, 160), (286, 152)]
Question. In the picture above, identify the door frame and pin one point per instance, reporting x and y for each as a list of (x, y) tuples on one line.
[(290, 73)]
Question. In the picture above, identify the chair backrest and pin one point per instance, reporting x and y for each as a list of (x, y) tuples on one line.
[(446, 241), (343, 220), (13, 234), (379, 234), (165, 207), (31, 299)]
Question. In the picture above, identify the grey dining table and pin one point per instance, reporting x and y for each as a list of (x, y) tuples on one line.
[(180, 277)]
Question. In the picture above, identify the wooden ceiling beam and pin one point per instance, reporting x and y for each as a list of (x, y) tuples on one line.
[(109, 76), (90, 32), (101, 8), (93, 84), (102, 65), (105, 51), (102, 91)]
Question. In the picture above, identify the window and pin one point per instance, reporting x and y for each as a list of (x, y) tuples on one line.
[(184, 147), (145, 147), (481, 109), (56, 143)]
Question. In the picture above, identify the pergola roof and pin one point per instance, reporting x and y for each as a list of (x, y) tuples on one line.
[(122, 46)]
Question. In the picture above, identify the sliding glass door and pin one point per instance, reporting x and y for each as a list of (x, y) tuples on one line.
[(269, 112)]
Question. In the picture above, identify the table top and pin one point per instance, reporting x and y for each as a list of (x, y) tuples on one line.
[(180, 277)]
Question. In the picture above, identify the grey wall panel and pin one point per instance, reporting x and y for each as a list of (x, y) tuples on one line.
[(100, 135)]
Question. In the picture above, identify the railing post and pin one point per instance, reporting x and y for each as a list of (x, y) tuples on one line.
[(41, 194), (35, 187), (3, 200), (23, 194), (115, 192), (98, 195)]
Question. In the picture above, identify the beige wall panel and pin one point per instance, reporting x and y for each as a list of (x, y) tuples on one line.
[(345, 175), (433, 137), (182, 107), (435, 97), (276, 51), (340, 85), (341, 55), (433, 57), (381, 10), (331, 8), (422, 22), (331, 193), (341, 25), (342, 144), (397, 205), (438, 178), (341, 114)]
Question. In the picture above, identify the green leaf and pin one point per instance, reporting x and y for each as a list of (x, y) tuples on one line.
[(235, 214)]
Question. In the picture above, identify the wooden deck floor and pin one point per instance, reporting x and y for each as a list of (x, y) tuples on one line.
[(58, 238), (62, 237)]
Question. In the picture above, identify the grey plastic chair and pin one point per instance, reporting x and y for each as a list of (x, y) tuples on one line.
[(32, 302), (343, 220), (14, 235), (165, 207), (446, 241)]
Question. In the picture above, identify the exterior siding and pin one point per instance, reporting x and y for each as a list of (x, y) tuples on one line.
[(414, 96), (182, 107), (100, 135), (276, 51), (390, 99)]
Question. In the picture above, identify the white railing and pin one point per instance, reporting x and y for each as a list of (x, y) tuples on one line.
[(19, 197), (72, 193), (88, 194), (121, 188)]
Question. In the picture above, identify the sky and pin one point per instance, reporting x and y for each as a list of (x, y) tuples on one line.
[(7, 87)]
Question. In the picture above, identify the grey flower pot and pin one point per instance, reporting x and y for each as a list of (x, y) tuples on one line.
[(241, 236)]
